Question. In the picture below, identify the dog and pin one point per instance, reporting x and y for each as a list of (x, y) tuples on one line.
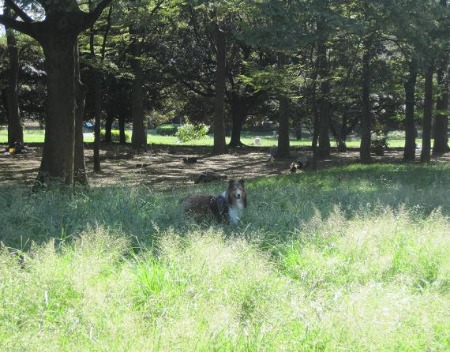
[(228, 206)]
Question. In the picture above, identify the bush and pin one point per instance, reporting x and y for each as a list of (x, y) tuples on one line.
[(189, 132), (115, 136), (167, 129), (379, 143)]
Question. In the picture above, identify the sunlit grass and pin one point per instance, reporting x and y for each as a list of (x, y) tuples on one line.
[(352, 258), (266, 139)]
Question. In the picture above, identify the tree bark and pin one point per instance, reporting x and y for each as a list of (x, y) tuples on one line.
[(324, 105), (122, 137), (238, 115), (440, 126), (366, 120), (80, 176), (220, 146), (59, 146), (283, 118), (409, 152), (139, 136), (108, 126), (97, 86), (15, 129), (427, 115)]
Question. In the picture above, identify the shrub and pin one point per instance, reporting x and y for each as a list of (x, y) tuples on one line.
[(189, 132), (167, 129), (379, 143), (115, 136)]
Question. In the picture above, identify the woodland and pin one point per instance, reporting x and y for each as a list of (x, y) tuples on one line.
[(333, 68)]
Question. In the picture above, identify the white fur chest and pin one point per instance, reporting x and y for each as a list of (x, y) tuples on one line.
[(235, 212)]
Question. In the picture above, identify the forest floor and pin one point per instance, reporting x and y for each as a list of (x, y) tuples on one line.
[(163, 167)]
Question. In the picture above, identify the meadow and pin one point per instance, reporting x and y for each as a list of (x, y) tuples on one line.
[(353, 258), (267, 139)]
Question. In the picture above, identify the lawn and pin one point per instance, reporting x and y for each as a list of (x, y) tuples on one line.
[(352, 258), (267, 139)]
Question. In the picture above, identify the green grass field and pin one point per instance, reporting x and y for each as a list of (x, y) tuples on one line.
[(353, 258), (248, 138)]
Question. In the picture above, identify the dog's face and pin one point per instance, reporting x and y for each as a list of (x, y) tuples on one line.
[(236, 192)]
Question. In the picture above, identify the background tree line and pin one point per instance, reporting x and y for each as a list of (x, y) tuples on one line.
[(333, 67)]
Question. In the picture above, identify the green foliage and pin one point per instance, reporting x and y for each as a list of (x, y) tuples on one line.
[(379, 143), (167, 129), (115, 136), (189, 132)]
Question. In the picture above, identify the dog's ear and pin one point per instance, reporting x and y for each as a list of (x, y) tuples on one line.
[(241, 181), (230, 183)]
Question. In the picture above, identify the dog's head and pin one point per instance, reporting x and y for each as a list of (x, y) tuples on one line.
[(236, 192)]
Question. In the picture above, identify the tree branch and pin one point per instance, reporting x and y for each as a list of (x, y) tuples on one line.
[(18, 11), (23, 27), (95, 14)]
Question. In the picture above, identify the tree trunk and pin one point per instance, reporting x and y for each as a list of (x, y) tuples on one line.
[(239, 109), (58, 155), (220, 146), (324, 105), (315, 136), (440, 126), (139, 136), (96, 85), (122, 137), (283, 118), (366, 117), (80, 176), (427, 115), (108, 126), (15, 129), (409, 153)]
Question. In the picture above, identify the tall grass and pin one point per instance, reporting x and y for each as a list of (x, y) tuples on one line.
[(353, 258)]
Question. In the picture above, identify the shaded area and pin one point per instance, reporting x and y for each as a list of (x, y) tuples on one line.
[(165, 167)]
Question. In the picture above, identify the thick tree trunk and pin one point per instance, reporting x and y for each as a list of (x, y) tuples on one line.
[(440, 126), (220, 146), (15, 129), (59, 146), (139, 136), (427, 115), (283, 118), (366, 122), (409, 153)]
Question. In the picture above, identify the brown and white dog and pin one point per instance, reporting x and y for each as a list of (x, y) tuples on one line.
[(228, 206)]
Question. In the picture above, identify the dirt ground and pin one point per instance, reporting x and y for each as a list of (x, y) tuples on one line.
[(165, 167)]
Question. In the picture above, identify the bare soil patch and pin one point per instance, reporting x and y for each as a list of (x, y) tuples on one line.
[(163, 167)]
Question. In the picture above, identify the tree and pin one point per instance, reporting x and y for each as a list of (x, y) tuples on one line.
[(15, 129), (58, 34), (409, 151), (220, 146), (440, 126)]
